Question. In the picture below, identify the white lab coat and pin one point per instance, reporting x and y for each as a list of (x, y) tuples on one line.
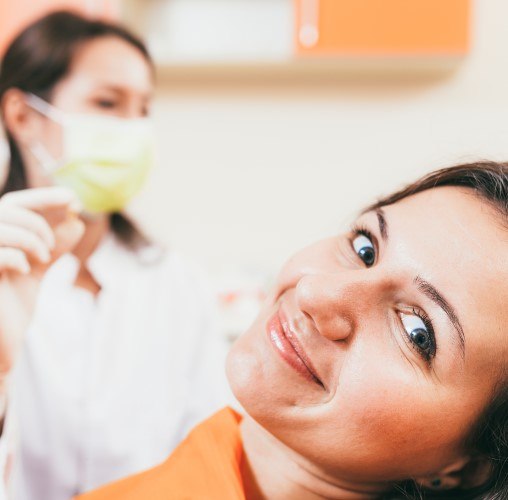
[(108, 385)]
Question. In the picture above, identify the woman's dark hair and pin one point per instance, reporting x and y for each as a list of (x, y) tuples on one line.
[(35, 61), (488, 441)]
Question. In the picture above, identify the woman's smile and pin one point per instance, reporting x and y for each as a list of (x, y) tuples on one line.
[(285, 341)]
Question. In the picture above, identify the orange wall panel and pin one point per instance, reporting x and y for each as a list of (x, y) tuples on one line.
[(382, 27)]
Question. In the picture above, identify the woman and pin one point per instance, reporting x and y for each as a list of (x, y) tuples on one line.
[(122, 333), (377, 368)]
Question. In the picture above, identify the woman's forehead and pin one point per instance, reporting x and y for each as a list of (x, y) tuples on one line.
[(111, 61), (452, 219)]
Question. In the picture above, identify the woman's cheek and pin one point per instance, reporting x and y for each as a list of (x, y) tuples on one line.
[(395, 419), (381, 406)]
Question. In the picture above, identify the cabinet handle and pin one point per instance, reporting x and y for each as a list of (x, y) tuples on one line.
[(308, 34)]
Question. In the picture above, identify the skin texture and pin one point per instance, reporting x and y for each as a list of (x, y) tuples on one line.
[(107, 76), (382, 413)]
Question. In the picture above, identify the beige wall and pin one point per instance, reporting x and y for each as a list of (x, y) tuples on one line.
[(250, 171)]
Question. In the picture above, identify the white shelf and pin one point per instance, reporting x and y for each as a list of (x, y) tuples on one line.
[(333, 68), (213, 31)]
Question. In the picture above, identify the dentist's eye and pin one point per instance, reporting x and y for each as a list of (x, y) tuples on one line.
[(420, 333), (106, 103), (363, 246)]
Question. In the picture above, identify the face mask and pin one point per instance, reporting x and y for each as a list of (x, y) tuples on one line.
[(105, 160)]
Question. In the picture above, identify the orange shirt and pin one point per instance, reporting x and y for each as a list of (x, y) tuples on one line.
[(206, 465)]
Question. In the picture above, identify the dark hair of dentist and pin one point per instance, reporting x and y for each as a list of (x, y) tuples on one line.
[(378, 366)]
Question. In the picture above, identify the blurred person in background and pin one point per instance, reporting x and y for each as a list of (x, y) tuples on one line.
[(121, 357)]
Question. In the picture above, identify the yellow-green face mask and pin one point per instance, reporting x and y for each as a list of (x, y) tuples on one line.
[(105, 160)]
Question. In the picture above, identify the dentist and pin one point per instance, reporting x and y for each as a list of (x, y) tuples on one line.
[(121, 358)]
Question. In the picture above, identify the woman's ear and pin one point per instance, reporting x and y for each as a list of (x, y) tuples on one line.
[(465, 473), (20, 120)]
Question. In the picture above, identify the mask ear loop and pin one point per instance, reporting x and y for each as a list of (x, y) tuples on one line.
[(44, 108), (45, 160), (40, 153)]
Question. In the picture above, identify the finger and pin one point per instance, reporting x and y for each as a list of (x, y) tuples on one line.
[(31, 221), (17, 237), (13, 259), (42, 198), (67, 235)]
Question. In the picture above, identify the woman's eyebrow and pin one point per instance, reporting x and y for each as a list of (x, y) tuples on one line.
[(383, 226), (109, 87), (431, 292), (120, 90)]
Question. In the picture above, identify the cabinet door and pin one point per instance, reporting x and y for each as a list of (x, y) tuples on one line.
[(382, 27), (16, 14)]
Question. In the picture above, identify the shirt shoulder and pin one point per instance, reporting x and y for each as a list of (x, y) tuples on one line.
[(205, 465)]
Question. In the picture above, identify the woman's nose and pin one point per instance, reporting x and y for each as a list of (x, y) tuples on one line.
[(336, 302)]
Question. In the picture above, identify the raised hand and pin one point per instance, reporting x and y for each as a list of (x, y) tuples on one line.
[(36, 227)]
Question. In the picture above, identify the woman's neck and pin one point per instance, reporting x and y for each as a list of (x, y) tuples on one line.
[(95, 230), (270, 470)]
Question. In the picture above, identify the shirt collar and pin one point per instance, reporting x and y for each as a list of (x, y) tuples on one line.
[(110, 260), (108, 263)]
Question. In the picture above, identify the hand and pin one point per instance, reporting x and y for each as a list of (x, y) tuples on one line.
[(36, 227)]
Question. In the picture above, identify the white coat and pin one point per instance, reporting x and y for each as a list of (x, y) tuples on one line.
[(108, 385)]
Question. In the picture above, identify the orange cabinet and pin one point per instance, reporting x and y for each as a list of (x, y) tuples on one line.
[(382, 27), (16, 14)]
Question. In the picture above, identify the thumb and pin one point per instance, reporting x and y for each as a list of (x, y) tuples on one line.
[(67, 235)]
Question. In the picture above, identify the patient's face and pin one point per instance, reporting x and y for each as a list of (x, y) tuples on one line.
[(379, 348)]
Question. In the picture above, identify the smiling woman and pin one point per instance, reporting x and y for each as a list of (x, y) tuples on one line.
[(377, 367)]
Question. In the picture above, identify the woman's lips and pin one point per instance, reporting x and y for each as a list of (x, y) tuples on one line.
[(289, 348)]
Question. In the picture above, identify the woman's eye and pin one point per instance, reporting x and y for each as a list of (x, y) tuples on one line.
[(419, 334), (106, 103), (364, 248)]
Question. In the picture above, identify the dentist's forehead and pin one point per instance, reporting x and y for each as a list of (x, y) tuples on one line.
[(110, 61)]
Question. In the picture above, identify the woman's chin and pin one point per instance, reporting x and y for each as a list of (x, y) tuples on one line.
[(240, 370), (246, 374)]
